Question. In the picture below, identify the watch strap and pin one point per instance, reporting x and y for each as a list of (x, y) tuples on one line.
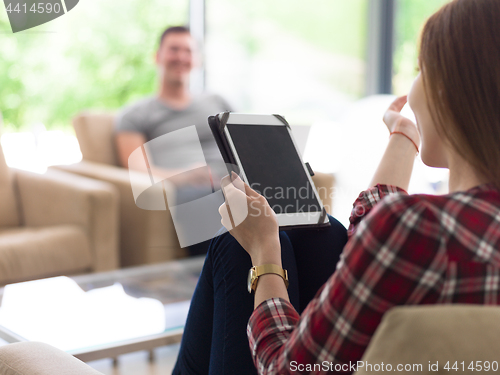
[(269, 269)]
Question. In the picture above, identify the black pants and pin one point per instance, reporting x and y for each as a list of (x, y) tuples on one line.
[(215, 339)]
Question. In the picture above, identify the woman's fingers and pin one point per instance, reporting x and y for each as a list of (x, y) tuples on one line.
[(226, 219), (251, 192), (392, 117), (238, 197), (394, 109), (248, 216), (398, 104), (239, 184), (234, 188), (236, 201), (234, 180), (248, 190)]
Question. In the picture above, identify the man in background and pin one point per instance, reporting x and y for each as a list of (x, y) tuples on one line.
[(174, 108)]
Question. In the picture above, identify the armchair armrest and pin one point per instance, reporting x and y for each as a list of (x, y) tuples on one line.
[(425, 335), (56, 198), (146, 236), (120, 178), (36, 358)]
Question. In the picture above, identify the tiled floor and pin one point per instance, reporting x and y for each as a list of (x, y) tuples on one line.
[(138, 363)]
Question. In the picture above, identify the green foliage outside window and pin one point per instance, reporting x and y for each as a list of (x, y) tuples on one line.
[(335, 26), (322, 31), (99, 56)]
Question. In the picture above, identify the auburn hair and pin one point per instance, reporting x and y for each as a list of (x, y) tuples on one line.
[(460, 62)]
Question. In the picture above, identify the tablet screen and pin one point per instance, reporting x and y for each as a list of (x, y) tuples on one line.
[(273, 167)]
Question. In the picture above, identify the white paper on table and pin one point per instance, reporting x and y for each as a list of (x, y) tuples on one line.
[(57, 311)]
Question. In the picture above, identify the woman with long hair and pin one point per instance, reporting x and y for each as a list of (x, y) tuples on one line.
[(401, 249)]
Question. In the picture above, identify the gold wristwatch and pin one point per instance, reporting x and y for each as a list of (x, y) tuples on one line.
[(257, 271)]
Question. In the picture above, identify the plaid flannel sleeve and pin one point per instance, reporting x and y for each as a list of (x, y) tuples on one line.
[(382, 265), (367, 200)]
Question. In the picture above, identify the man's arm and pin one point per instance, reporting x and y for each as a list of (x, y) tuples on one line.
[(126, 143)]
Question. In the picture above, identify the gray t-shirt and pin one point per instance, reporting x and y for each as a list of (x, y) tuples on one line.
[(153, 118)]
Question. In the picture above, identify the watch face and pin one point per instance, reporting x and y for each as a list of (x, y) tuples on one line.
[(249, 280)]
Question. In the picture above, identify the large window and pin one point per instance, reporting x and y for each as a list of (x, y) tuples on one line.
[(410, 19), (305, 59), (99, 55)]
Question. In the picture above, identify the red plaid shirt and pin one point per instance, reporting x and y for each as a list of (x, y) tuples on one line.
[(403, 250)]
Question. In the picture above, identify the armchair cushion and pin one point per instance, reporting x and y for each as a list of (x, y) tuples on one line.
[(36, 358), (95, 133), (435, 333), (30, 253), (58, 198), (145, 236)]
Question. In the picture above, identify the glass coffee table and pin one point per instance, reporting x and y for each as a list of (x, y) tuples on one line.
[(102, 315)]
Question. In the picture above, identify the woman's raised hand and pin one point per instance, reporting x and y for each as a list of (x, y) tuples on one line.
[(397, 162), (251, 221), (396, 122)]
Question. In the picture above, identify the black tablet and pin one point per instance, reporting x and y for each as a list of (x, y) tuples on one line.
[(267, 158)]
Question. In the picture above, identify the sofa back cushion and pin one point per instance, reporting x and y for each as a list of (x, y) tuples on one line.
[(431, 336), (95, 133), (36, 358), (9, 211)]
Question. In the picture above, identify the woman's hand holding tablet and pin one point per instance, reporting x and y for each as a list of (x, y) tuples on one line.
[(257, 232)]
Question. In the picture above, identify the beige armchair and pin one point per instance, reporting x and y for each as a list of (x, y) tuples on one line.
[(55, 224), (145, 236), (435, 334), (36, 358)]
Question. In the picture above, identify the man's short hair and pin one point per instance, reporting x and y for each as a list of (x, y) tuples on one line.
[(174, 30)]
